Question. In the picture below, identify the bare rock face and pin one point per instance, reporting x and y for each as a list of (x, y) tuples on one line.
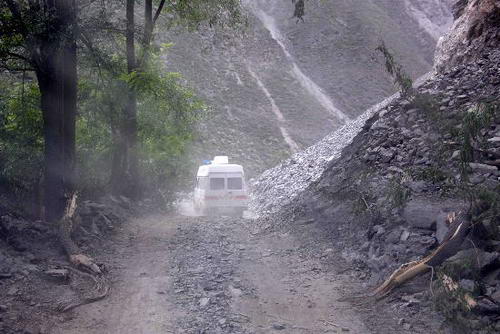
[(432, 16), (477, 26)]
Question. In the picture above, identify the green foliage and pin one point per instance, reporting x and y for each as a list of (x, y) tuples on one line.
[(364, 198), (431, 174), (398, 193), (451, 300), (167, 112), (428, 104), (400, 77), (299, 10), (21, 142), (194, 13), (451, 303), (21, 34), (489, 217), (474, 120)]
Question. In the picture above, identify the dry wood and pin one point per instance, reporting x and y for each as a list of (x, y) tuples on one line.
[(101, 290), (65, 229), (80, 260), (459, 228)]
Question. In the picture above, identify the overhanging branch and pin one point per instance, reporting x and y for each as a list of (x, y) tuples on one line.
[(158, 12)]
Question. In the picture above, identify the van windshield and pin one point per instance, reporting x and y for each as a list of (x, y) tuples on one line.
[(217, 183), (234, 183)]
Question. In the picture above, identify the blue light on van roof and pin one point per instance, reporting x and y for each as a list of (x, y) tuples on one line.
[(207, 162)]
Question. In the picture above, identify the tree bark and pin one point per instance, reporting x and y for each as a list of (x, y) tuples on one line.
[(148, 22), (125, 176), (55, 60), (128, 153), (53, 139), (69, 79)]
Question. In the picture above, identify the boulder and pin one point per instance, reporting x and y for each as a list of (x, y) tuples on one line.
[(482, 168), (493, 277), (422, 214), (393, 237), (467, 284)]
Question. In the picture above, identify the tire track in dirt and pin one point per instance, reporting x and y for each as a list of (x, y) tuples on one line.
[(138, 260), (173, 274)]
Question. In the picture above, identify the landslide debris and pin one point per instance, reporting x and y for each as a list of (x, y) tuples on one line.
[(383, 197)]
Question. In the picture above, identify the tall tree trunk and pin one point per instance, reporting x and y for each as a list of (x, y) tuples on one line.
[(124, 165), (148, 22), (125, 170), (53, 137), (69, 82), (131, 109), (57, 78)]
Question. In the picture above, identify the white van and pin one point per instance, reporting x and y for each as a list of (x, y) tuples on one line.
[(220, 188)]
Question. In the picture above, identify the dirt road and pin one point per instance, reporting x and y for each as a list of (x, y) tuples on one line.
[(175, 274)]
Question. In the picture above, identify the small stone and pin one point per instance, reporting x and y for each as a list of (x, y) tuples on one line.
[(235, 291), (204, 301), (494, 140), (58, 273), (477, 179), (421, 214), (279, 327), (12, 291), (496, 296), (481, 167), (407, 326), (410, 300), (379, 229), (405, 235), (345, 329), (386, 155), (393, 237), (418, 186)]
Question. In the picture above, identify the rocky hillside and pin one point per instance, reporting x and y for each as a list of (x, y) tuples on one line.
[(282, 85), (383, 193)]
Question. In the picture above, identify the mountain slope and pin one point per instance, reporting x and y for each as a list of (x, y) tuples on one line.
[(281, 85)]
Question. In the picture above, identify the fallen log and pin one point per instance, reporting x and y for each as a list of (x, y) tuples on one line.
[(76, 257), (101, 290), (91, 269), (459, 228)]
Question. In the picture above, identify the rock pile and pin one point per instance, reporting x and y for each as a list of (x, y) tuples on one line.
[(278, 186), (407, 169), (385, 200)]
